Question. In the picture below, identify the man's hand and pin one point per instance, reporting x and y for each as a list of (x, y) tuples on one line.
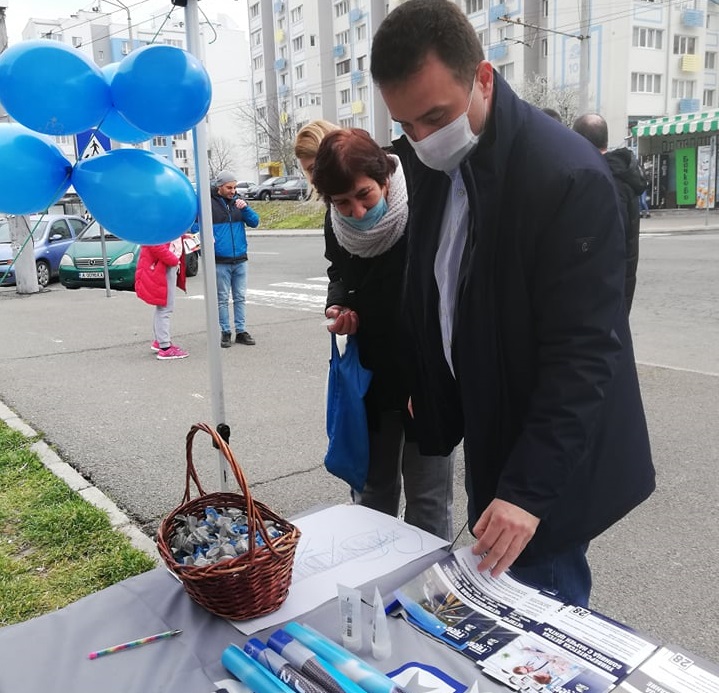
[(240, 203), (502, 531), (346, 321)]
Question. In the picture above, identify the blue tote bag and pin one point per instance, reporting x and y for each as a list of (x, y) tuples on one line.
[(348, 451)]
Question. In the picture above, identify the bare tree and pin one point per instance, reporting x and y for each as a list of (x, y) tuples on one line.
[(564, 100), (220, 156), (270, 131)]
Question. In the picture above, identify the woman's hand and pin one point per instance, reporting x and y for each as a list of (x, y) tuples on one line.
[(346, 321)]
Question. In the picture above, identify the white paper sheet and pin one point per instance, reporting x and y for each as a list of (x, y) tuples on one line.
[(346, 544)]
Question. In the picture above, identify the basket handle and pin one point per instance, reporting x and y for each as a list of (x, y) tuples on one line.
[(254, 519)]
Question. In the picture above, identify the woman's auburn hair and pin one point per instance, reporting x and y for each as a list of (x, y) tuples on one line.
[(345, 155)]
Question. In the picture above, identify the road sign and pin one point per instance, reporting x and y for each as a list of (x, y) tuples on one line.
[(91, 143)]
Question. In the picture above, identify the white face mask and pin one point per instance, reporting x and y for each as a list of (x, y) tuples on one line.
[(445, 148)]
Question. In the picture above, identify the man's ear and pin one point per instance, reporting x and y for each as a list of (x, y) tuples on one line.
[(485, 77)]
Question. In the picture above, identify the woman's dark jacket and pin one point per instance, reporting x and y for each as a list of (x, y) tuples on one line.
[(546, 396), (372, 287)]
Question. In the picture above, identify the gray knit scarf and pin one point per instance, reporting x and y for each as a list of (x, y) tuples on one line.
[(380, 238)]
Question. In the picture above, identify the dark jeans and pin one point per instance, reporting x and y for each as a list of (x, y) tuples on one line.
[(566, 574)]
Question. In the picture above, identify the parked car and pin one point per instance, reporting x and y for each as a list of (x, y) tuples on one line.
[(52, 235), (296, 189), (82, 265), (243, 186), (265, 190)]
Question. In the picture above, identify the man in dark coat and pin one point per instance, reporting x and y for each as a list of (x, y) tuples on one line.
[(630, 182), (514, 303)]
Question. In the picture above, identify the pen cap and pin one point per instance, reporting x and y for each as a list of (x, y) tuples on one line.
[(278, 640), (244, 668), (254, 647), (381, 644)]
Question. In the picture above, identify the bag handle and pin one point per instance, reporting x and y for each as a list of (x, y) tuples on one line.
[(255, 523)]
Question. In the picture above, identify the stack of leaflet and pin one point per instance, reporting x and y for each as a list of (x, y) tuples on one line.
[(519, 635)]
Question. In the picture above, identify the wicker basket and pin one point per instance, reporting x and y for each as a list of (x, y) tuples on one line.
[(250, 585)]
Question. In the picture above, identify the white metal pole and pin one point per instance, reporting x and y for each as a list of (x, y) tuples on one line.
[(207, 240), (584, 58)]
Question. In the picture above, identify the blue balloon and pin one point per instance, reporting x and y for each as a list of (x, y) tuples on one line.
[(113, 124), (136, 195), (34, 173), (161, 89), (52, 88)]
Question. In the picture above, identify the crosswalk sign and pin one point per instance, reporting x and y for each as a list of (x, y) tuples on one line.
[(91, 143)]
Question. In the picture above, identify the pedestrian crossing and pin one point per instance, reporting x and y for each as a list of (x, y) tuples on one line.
[(309, 295)]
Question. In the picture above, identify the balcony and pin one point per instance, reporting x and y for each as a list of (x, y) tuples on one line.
[(355, 15), (357, 107), (339, 50), (497, 11), (689, 105), (280, 63), (280, 36), (283, 89), (694, 18), (497, 52), (279, 6), (357, 76), (690, 63)]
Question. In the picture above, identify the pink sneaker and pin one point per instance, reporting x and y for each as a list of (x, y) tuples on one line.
[(155, 346), (172, 352)]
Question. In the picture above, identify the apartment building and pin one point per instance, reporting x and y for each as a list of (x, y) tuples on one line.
[(646, 58), (106, 39)]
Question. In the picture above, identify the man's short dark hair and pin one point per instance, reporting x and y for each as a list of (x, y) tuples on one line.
[(552, 114), (419, 27), (593, 127)]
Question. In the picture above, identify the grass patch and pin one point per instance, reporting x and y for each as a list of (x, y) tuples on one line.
[(54, 546), (287, 214)]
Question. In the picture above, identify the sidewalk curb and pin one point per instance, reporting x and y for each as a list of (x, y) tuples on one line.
[(77, 482)]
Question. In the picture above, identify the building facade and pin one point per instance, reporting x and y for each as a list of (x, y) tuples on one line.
[(642, 58)]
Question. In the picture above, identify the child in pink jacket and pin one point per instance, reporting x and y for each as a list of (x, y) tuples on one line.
[(159, 269)]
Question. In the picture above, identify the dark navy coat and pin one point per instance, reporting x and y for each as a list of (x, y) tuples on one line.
[(546, 394)]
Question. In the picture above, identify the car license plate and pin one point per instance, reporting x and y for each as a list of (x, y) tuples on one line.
[(91, 275)]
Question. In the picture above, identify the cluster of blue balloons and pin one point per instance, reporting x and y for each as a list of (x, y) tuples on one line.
[(52, 89)]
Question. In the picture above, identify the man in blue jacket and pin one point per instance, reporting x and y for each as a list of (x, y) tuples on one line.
[(519, 340), (230, 213)]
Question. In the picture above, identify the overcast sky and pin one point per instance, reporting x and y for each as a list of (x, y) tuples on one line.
[(19, 11)]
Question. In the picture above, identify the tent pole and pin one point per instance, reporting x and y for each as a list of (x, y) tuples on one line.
[(202, 177)]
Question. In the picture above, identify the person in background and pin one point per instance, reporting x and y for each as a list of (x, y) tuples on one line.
[(516, 325), (307, 142), (630, 182), (365, 243), (230, 214), (553, 114), (159, 269)]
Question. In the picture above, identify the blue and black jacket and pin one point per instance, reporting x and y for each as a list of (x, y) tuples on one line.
[(228, 228)]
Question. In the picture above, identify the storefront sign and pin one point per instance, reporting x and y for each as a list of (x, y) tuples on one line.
[(686, 176)]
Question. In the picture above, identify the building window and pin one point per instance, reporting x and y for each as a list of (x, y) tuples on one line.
[(482, 36), (646, 83), (283, 51), (62, 139), (342, 38), (283, 79), (281, 23), (298, 43), (507, 71), (261, 113), (181, 137), (315, 99), (301, 100), (505, 32), (363, 93), (159, 141), (300, 71), (545, 8), (258, 62), (683, 89), (177, 43), (545, 47), (684, 45), (647, 38), (361, 32), (362, 63), (180, 154), (708, 100), (313, 39), (256, 38), (472, 6), (710, 61), (342, 8), (345, 96), (296, 14), (259, 87), (346, 122), (185, 170), (255, 10), (343, 68), (77, 41)]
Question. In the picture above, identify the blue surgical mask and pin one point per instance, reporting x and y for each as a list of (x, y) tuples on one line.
[(371, 217)]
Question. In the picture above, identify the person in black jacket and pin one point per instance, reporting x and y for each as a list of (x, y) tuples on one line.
[(514, 304), (631, 183), (365, 244)]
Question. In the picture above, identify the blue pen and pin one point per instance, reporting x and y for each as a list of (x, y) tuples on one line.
[(353, 667), (281, 668), (244, 668), (311, 665)]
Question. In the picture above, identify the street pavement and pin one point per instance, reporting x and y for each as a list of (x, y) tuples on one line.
[(76, 366)]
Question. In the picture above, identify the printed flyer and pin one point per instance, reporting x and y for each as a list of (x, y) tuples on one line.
[(520, 635)]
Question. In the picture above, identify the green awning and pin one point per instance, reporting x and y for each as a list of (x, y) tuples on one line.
[(685, 123)]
